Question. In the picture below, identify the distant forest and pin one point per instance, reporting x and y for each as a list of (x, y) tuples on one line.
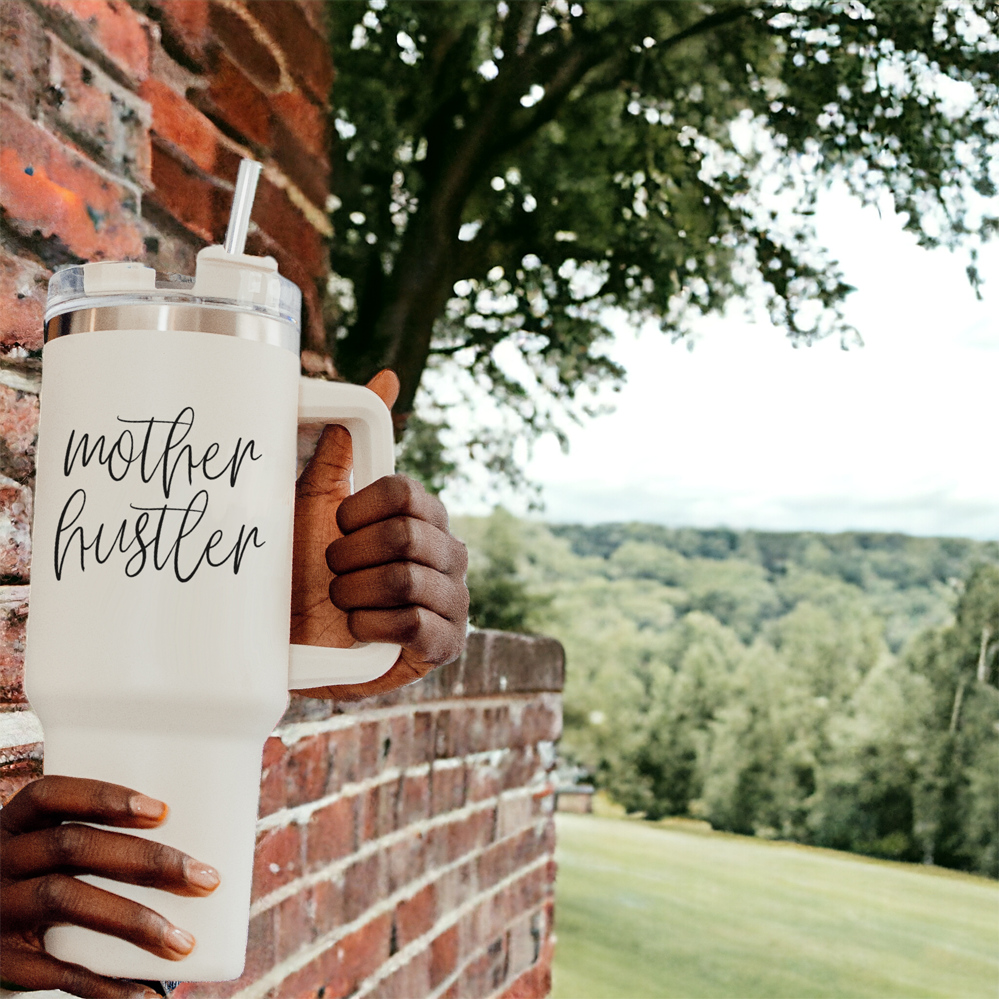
[(834, 689)]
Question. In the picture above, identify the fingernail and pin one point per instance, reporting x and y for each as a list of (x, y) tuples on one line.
[(202, 875), (144, 807), (179, 940)]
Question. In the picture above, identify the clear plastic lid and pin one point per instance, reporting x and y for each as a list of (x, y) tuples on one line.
[(224, 281)]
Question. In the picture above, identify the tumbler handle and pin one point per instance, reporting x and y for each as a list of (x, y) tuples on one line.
[(367, 418)]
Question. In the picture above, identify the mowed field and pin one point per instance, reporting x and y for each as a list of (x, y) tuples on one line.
[(647, 910)]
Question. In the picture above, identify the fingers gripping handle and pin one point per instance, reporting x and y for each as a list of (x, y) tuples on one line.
[(367, 418)]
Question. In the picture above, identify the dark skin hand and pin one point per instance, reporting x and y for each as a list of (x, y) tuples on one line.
[(393, 573)]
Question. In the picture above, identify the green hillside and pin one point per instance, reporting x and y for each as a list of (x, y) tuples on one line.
[(644, 911), (835, 690)]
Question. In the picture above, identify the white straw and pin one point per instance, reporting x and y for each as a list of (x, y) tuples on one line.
[(242, 205)]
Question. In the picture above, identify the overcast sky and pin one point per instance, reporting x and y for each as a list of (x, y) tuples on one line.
[(747, 432)]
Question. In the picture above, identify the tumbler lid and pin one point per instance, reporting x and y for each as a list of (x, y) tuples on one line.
[(231, 281)]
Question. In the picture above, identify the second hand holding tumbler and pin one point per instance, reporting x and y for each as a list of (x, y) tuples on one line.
[(158, 643)]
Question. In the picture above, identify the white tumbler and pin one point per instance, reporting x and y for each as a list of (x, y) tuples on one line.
[(158, 643)]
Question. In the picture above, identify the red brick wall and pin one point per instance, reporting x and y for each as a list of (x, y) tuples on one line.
[(405, 844)]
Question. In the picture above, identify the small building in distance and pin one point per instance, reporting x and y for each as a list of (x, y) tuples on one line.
[(576, 798)]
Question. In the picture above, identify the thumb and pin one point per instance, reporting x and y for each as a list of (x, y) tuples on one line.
[(386, 386), (329, 467)]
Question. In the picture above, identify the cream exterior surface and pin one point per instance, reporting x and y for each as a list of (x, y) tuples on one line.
[(167, 672)]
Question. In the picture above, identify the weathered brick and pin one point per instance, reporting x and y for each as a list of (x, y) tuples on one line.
[(15, 530), (415, 915), (294, 924), (235, 99), (25, 55), (455, 887), (363, 881), (303, 120), (507, 856), (471, 832), (483, 777), (414, 799), (308, 52), (306, 770), (177, 121), (20, 770), (343, 749), (447, 787), (186, 30), (368, 749), (405, 861), (13, 615), (23, 286), (513, 813), (422, 747), (279, 218), (18, 430), (49, 188), (443, 956), (484, 973), (357, 956), (191, 199), (536, 982), (100, 115), (277, 859), (244, 44), (330, 833), (377, 810), (412, 979), (328, 902), (112, 28)]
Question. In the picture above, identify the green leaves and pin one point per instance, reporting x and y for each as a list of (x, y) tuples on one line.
[(507, 173)]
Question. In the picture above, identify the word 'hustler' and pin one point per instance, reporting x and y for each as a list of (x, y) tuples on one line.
[(157, 536)]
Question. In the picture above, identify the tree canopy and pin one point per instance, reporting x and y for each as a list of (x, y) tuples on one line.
[(507, 172)]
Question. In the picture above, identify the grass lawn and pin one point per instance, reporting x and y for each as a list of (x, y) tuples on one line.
[(658, 911)]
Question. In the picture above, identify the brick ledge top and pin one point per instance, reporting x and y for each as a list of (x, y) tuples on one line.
[(493, 663)]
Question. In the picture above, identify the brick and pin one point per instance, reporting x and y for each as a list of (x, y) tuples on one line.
[(377, 811), (189, 198), (294, 924), (364, 882), (186, 30), (241, 37), (50, 189), (280, 219), (99, 115), (536, 982), (177, 121), (472, 832), (112, 27), (308, 52), (415, 915), (25, 55), (482, 780), (405, 861), (272, 777), (303, 120), (414, 799), (422, 747), (19, 772), (413, 979), (23, 286), (396, 735), (328, 902), (15, 529), (518, 851), (330, 833), (18, 433), (310, 981), (443, 956), (343, 749), (235, 99), (484, 974), (13, 616), (358, 956), (455, 887), (306, 770), (447, 788), (368, 750), (277, 859), (512, 815)]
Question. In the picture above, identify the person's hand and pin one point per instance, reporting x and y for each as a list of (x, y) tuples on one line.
[(42, 846), (399, 574)]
